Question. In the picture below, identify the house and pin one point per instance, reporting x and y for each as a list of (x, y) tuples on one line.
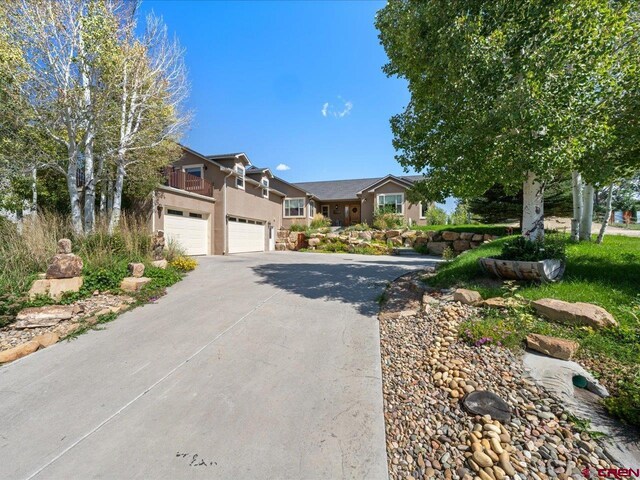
[(348, 202), (220, 204)]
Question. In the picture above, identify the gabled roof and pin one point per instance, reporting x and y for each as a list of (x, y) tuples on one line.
[(230, 156), (350, 189), (255, 171)]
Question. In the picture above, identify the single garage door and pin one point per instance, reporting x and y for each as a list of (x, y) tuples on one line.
[(245, 235), (189, 229)]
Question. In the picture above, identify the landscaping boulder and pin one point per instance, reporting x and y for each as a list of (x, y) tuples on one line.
[(163, 263), (46, 316), (55, 287), (19, 351), (468, 297), (46, 339), (365, 236), (393, 233), (461, 245), (466, 236), (478, 237), (396, 241), (134, 284), (420, 241), (379, 236), (450, 236), (136, 269), (64, 246), (64, 265), (498, 302), (437, 247), (314, 242), (574, 313), (552, 346)]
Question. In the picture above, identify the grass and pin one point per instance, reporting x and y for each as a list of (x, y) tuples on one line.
[(607, 275), (630, 226), (500, 230)]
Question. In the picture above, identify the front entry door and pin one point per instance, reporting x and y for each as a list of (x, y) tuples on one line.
[(354, 214)]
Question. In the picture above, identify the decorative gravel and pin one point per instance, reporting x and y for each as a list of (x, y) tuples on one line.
[(427, 371)]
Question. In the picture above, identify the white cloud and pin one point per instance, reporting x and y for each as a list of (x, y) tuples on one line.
[(340, 111), (283, 166)]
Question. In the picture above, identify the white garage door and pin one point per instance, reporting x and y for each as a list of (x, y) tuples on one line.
[(189, 229), (245, 235)]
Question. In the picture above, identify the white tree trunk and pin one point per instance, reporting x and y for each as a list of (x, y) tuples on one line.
[(587, 213), (89, 189), (607, 216), (576, 188), (74, 198), (117, 199), (34, 190), (533, 208)]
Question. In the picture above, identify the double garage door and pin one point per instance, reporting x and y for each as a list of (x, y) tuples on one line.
[(189, 229), (246, 235)]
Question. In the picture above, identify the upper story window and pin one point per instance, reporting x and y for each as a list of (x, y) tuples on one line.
[(391, 202), (195, 170), (312, 208), (294, 207), (265, 187), (240, 178)]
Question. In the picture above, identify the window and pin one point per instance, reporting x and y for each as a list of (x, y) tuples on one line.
[(240, 178), (265, 187), (325, 211), (424, 206), (294, 207), (312, 208), (174, 212), (392, 203), (195, 170), (195, 215)]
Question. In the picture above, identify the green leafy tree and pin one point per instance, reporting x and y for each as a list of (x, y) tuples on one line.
[(503, 91)]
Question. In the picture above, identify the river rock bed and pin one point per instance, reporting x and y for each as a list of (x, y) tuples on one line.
[(427, 370)]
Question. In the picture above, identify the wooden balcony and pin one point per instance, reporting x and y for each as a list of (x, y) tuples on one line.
[(184, 181)]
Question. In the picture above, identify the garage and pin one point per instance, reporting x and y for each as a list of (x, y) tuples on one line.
[(189, 229), (246, 235)]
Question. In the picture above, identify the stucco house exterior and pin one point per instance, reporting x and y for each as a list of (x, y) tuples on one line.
[(223, 204)]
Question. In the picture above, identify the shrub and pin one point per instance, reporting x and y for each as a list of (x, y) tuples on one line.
[(185, 264), (358, 227), (626, 405), (173, 250), (521, 248), (435, 216), (297, 227), (386, 220), (319, 221), (448, 254)]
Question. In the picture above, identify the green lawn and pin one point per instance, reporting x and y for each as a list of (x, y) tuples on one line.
[(499, 230), (607, 275)]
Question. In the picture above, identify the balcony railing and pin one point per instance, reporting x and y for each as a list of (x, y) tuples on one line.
[(184, 181)]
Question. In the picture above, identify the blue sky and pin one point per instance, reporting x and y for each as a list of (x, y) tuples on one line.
[(297, 83)]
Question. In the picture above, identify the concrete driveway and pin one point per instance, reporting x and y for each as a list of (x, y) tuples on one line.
[(254, 366)]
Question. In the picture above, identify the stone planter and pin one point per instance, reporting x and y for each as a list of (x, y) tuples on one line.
[(542, 271)]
